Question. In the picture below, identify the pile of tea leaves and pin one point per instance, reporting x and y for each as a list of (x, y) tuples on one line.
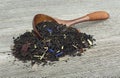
[(57, 41)]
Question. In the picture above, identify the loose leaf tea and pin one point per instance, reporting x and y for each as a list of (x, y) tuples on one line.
[(57, 41)]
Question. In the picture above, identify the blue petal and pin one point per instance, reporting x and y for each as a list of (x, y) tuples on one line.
[(59, 54), (51, 50), (49, 30)]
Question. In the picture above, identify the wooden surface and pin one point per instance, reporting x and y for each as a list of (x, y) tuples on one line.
[(101, 61)]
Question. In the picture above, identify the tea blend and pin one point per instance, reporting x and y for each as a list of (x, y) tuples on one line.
[(57, 41)]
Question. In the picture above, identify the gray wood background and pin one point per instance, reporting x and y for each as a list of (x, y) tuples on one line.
[(101, 61)]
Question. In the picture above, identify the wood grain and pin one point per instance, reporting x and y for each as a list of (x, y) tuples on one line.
[(100, 61)]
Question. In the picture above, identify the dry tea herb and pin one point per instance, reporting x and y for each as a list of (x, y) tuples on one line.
[(57, 41)]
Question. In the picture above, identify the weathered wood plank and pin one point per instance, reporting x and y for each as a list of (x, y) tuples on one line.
[(101, 61)]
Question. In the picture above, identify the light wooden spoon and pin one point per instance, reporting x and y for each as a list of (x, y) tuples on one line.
[(98, 15)]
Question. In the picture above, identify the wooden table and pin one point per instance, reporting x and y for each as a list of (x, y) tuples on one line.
[(100, 61)]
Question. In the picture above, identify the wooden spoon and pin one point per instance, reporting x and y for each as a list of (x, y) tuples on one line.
[(98, 15)]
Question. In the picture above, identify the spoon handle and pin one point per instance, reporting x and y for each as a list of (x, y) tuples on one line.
[(98, 15)]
